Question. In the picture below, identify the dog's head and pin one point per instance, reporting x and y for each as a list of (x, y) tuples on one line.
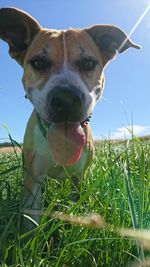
[(63, 70)]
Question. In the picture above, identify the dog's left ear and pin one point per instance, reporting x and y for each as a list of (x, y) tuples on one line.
[(18, 29), (110, 39)]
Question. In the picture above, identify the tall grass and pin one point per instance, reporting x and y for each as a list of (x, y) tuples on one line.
[(117, 186)]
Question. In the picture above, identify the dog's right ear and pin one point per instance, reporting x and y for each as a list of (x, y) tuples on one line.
[(110, 39), (18, 29)]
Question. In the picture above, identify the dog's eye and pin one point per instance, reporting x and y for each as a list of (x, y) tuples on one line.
[(87, 64), (40, 64)]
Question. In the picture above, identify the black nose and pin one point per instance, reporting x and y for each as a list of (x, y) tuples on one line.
[(65, 104)]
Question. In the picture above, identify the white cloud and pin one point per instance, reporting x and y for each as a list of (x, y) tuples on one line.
[(124, 132)]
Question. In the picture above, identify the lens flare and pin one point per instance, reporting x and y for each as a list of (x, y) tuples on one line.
[(136, 25)]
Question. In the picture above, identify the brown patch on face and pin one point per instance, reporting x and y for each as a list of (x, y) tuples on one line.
[(49, 46), (79, 45)]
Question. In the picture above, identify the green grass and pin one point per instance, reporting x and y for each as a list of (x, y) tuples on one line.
[(117, 186)]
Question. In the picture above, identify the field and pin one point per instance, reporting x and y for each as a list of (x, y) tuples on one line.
[(117, 186)]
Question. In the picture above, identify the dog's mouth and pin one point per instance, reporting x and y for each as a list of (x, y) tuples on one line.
[(66, 141)]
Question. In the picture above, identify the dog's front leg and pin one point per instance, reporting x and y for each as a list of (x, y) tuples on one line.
[(32, 186), (75, 187), (35, 168)]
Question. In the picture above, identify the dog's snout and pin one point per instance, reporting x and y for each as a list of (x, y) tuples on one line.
[(65, 104), (61, 99)]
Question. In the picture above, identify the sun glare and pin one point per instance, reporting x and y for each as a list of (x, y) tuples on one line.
[(136, 24)]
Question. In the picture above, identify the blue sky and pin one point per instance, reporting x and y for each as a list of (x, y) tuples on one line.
[(126, 98)]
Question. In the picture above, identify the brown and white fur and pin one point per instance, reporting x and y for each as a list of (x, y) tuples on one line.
[(62, 59)]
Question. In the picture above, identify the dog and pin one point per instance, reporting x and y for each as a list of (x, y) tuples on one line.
[(63, 79)]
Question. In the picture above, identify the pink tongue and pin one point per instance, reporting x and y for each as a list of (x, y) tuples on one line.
[(66, 141)]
